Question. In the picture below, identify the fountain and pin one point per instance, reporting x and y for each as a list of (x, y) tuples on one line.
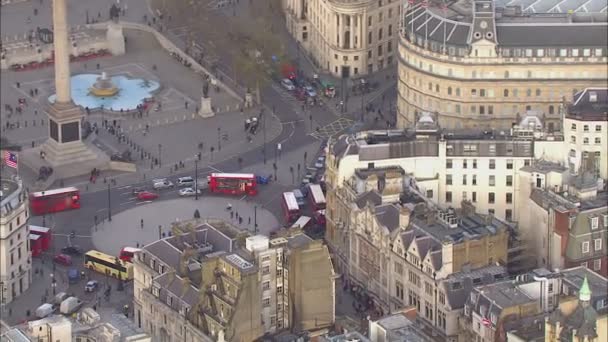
[(115, 93), (103, 87)]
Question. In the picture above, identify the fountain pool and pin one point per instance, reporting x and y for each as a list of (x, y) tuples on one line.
[(132, 92)]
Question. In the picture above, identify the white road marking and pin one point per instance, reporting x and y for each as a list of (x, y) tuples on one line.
[(143, 202), (125, 187), (78, 236), (125, 203), (214, 169), (242, 198), (103, 209), (293, 130), (126, 193)]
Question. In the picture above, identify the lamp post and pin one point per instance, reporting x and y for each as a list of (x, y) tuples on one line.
[(44, 213), (196, 179), (53, 283), (109, 204), (160, 147), (263, 118), (219, 145), (255, 219)]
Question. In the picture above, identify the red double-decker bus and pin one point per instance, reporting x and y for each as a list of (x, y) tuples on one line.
[(233, 183), (317, 198), (51, 201), (291, 208)]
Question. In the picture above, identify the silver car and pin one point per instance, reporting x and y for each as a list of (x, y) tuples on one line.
[(163, 185)]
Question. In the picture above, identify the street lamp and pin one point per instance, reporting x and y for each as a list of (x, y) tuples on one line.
[(196, 179), (255, 219), (219, 145), (263, 118), (160, 146), (53, 283), (44, 212), (109, 204)]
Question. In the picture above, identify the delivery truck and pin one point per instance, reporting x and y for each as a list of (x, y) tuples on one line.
[(70, 305)]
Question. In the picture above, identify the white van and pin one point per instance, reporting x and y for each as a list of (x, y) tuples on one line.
[(185, 181), (45, 310)]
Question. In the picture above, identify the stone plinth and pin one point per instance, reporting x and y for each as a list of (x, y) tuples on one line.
[(205, 110), (116, 39)]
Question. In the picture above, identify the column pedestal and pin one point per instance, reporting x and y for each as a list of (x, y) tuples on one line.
[(205, 110), (116, 39)]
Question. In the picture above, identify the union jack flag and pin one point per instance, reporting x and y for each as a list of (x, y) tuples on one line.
[(425, 3), (10, 159)]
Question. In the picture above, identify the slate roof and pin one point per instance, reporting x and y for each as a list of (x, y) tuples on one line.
[(535, 27), (458, 286), (371, 196), (544, 167), (388, 216), (573, 279), (177, 287), (581, 231)]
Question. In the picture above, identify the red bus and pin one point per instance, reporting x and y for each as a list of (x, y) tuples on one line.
[(290, 207), (51, 201), (35, 244), (127, 253), (317, 198), (45, 236), (233, 183)]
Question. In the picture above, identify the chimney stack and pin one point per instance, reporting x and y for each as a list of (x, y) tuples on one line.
[(404, 217)]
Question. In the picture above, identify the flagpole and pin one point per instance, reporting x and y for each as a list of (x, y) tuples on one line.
[(445, 26)]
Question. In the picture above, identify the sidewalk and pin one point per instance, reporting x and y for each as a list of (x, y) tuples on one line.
[(16, 311)]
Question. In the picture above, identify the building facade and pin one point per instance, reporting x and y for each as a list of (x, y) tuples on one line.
[(205, 284), (15, 255), (346, 37), (481, 63)]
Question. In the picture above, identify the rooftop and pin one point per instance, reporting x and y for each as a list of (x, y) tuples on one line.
[(458, 286), (573, 278), (557, 23), (400, 328), (449, 226), (590, 104), (347, 337), (11, 194), (544, 167)]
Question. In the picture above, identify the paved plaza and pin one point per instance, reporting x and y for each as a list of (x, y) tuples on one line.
[(125, 229)]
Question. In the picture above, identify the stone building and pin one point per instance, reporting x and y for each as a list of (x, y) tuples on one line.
[(346, 37), (15, 254), (481, 63), (212, 282)]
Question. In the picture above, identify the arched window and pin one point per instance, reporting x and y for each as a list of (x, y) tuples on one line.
[(551, 110), (506, 93), (537, 92), (449, 90), (529, 92)]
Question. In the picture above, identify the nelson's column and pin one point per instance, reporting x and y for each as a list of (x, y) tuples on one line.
[(64, 150)]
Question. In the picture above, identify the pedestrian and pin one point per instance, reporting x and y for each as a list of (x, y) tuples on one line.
[(231, 214), (142, 223), (186, 104), (18, 85), (249, 220), (240, 220)]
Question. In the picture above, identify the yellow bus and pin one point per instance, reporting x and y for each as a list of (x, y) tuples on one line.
[(108, 264)]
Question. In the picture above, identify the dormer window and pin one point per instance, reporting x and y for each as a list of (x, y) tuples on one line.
[(155, 290), (595, 222)]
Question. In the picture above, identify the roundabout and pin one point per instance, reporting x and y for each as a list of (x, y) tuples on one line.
[(126, 228)]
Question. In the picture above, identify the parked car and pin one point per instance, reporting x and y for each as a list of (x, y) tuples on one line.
[(73, 276), (310, 91), (60, 297), (72, 250), (188, 192), (147, 196), (163, 185), (320, 163), (91, 286), (63, 259), (287, 84), (185, 181)]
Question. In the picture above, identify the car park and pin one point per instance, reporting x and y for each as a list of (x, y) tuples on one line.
[(63, 259), (185, 181), (91, 286), (189, 192), (163, 185), (288, 84), (147, 196), (71, 250)]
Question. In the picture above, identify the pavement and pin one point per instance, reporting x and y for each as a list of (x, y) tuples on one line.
[(161, 215)]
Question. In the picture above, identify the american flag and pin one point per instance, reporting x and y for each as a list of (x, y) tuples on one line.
[(10, 159)]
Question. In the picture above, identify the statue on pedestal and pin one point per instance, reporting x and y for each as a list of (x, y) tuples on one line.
[(205, 88)]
